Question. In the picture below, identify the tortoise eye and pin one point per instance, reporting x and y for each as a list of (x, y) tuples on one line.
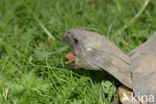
[(75, 41)]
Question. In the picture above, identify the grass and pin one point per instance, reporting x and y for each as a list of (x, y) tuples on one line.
[(32, 69)]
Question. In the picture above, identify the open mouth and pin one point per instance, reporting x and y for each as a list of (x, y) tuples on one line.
[(71, 58)]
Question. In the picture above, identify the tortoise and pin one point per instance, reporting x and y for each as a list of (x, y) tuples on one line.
[(136, 70)]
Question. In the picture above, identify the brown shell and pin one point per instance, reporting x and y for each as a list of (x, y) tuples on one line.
[(143, 69)]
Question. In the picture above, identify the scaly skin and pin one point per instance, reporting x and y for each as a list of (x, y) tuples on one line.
[(95, 52)]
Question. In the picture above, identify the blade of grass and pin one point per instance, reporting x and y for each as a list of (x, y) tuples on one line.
[(45, 29), (134, 18)]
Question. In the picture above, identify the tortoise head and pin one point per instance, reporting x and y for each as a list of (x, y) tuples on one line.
[(85, 45), (92, 49), (95, 52)]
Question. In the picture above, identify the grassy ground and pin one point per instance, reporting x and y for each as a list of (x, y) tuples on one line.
[(32, 66)]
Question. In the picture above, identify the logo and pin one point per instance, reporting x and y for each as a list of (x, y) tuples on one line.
[(138, 97)]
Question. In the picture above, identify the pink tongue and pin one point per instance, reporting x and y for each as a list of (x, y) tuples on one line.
[(70, 56)]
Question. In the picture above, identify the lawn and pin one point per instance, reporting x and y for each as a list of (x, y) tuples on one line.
[(32, 69)]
